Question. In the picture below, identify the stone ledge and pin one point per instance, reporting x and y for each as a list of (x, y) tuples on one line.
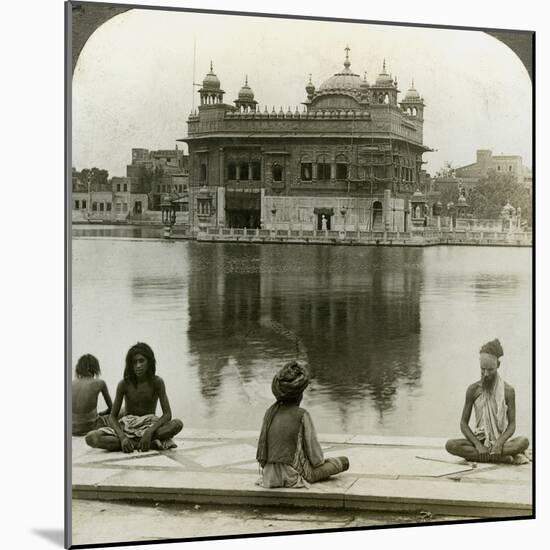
[(396, 474)]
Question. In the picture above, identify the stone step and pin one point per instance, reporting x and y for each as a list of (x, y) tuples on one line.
[(442, 497)]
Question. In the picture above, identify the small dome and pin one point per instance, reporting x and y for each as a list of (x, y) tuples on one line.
[(412, 93), (384, 79), (364, 83), (508, 209), (211, 81), (246, 93), (310, 88)]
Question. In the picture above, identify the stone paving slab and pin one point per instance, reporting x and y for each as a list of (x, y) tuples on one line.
[(218, 466), (396, 461), (488, 500), (504, 473), (226, 455), (401, 441)]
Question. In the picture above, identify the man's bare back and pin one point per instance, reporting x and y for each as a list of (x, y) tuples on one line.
[(85, 393)]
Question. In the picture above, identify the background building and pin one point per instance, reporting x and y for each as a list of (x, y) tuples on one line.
[(487, 163), (158, 173), (136, 197)]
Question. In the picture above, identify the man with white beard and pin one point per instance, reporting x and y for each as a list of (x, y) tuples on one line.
[(494, 404)]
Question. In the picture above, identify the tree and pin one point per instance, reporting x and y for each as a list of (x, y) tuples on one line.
[(448, 192), (145, 178), (97, 176), (494, 191), (447, 170)]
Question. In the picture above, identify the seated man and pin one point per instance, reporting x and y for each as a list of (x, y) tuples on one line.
[(288, 449), (141, 390), (494, 403), (86, 387)]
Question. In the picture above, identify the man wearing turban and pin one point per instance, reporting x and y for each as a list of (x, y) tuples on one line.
[(288, 449), (494, 403)]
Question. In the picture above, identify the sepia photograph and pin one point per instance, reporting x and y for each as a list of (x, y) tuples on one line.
[(300, 274)]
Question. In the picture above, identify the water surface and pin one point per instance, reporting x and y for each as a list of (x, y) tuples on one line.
[(392, 334)]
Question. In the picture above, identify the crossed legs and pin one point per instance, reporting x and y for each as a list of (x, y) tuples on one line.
[(110, 442), (464, 449)]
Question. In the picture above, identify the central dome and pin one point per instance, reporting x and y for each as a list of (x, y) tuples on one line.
[(344, 81)]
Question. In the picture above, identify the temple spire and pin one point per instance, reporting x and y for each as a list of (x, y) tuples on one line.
[(347, 61), (211, 67)]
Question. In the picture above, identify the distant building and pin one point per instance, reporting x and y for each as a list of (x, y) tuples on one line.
[(487, 163), (158, 173), (116, 199), (351, 159)]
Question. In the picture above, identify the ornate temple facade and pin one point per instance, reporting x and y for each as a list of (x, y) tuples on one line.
[(350, 158)]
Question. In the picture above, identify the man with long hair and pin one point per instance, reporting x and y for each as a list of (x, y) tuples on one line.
[(141, 389), (494, 403)]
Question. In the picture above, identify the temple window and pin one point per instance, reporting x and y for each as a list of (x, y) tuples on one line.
[(256, 170), (341, 171), (76, 205), (204, 207), (231, 171), (277, 172), (243, 171), (306, 171), (323, 171), (202, 176)]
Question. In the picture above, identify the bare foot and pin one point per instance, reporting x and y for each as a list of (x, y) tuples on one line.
[(165, 445)]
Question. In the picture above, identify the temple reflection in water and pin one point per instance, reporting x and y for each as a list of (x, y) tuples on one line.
[(349, 313)]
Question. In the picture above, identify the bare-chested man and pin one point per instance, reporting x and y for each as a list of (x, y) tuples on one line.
[(494, 404), (86, 387), (141, 390)]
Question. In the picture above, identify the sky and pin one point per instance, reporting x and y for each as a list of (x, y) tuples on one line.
[(133, 83)]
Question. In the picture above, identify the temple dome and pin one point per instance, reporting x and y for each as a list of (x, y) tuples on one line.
[(344, 81), (412, 93), (508, 209), (211, 81), (384, 79), (246, 93), (310, 88)]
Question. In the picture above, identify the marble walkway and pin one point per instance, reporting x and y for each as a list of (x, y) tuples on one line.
[(399, 474)]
